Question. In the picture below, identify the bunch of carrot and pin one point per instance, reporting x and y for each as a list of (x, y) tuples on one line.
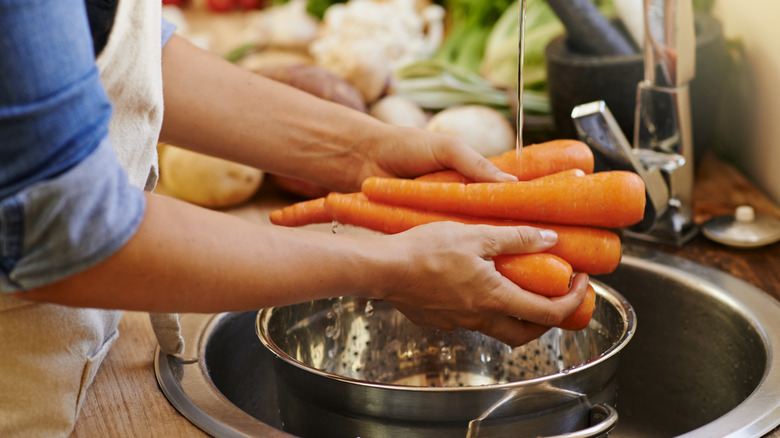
[(556, 190)]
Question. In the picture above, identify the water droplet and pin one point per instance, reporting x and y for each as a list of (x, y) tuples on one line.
[(332, 331), (338, 306)]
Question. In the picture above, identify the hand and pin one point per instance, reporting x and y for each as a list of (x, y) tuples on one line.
[(450, 281), (410, 152)]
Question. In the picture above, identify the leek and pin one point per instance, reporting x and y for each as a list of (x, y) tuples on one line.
[(435, 85)]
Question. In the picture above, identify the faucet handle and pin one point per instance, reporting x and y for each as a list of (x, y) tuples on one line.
[(597, 127)]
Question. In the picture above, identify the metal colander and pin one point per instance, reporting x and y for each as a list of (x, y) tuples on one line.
[(358, 357), (371, 341)]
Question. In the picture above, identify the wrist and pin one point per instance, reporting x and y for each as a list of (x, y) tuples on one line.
[(382, 267)]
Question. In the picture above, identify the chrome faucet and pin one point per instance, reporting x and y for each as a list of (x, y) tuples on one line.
[(662, 152)]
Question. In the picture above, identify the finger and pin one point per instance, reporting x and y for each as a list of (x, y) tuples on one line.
[(509, 330), (541, 310), (485, 171), (443, 320), (470, 163), (512, 331), (517, 240)]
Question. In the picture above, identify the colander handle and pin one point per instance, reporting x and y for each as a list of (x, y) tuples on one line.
[(603, 419)]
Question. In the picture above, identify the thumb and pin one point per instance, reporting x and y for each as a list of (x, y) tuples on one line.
[(520, 240)]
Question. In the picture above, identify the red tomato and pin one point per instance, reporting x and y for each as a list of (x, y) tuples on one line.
[(248, 5), (220, 5), (303, 189)]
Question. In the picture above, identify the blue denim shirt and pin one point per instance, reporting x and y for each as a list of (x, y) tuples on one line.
[(65, 201)]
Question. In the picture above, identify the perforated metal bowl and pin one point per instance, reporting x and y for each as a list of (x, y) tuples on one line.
[(352, 358)]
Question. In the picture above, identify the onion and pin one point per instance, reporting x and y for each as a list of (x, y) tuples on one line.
[(484, 129), (399, 111)]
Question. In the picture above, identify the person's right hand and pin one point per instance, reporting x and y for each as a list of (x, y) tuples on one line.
[(411, 152), (450, 281)]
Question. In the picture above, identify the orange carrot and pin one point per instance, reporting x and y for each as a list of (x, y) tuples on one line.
[(609, 199), (535, 161), (560, 157), (570, 173), (546, 158), (582, 315), (540, 273), (312, 211), (587, 249), (356, 209), (302, 213)]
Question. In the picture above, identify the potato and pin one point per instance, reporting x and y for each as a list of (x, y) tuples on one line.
[(207, 181)]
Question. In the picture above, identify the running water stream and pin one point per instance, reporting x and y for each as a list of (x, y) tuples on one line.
[(474, 425), (520, 81)]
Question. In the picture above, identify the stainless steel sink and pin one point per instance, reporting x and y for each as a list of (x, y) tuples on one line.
[(702, 362)]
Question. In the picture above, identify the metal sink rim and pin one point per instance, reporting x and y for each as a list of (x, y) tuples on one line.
[(187, 385), (757, 307)]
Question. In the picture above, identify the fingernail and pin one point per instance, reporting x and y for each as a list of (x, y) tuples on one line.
[(548, 235), (508, 177)]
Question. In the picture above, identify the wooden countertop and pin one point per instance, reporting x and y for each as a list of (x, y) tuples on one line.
[(125, 400)]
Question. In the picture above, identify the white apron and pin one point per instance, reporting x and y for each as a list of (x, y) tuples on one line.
[(53, 352)]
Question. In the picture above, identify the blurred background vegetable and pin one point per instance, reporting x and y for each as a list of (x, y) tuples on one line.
[(436, 85), (205, 180), (499, 65), (486, 130), (436, 53), (364, 41), (477, 62), (399, 111), (469, 23), (316, 8), (288, 26)]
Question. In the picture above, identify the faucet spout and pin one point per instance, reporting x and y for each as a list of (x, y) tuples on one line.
[(662, 152), (597, 127), (663, 130)]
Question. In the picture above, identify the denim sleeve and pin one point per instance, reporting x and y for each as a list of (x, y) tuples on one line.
[(60, 226), (168, 29), (53, 110), (65, 201)]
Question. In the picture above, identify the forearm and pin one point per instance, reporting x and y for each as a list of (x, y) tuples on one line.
[(188, 259), (220, 109)]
